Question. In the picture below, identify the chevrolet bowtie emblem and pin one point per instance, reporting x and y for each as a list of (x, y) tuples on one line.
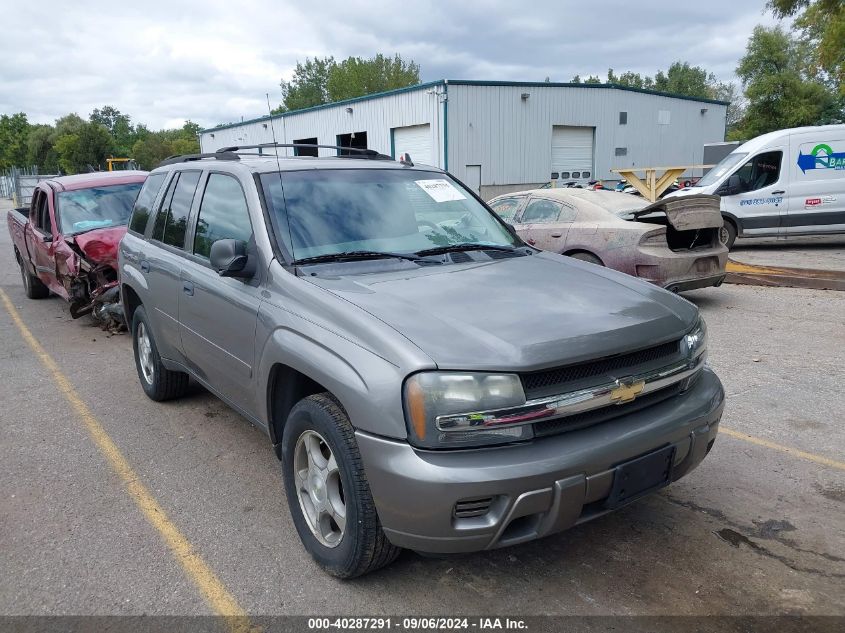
[(625, 392)]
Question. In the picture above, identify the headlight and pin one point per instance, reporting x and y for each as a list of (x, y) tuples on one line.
[(432, 395), (694, 347), (694, 343)]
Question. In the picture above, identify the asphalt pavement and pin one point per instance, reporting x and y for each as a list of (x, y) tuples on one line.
[(757, 529)]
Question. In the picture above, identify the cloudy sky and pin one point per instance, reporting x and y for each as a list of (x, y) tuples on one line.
[(213, 61)]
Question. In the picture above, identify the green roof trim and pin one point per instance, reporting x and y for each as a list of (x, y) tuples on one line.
[(375, 95), (551, 84), (463, 82)]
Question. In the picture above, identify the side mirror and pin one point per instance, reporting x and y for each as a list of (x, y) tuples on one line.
[(229, 258), (731, 187)]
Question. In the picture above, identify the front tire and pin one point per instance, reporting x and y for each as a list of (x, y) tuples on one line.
[(727, 234), (327, 490), (158, 382), (32, 285)]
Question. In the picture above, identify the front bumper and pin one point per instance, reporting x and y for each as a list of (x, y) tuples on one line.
[(536, 488)]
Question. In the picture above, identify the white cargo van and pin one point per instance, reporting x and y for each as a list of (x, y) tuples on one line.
[(789, 182)]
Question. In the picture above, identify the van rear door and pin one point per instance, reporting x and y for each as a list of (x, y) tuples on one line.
[(756, 192), (817, 188)]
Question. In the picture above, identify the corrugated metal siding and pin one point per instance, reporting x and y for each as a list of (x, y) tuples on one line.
[(510, 138), (376, 117)]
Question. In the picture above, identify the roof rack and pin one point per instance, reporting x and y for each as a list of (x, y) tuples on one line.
[(186, 158), (359, 152)]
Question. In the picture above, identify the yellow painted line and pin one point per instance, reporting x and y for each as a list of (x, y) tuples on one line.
[(759, 441), (215, 593)]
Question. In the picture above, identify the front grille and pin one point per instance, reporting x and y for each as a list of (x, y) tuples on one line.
[(472, 508), (589, 418), (553, 381)]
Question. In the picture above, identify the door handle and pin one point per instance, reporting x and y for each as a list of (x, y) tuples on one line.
[(556, 234), (778, 192), (145, 266), (188, 288)]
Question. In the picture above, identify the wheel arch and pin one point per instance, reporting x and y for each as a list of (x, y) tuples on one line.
[(285, 387), (575, 251), (131, 302)]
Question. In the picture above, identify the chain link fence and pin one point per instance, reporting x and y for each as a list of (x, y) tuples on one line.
[(18, 183)]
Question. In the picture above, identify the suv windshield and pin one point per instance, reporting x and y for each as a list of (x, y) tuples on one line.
[(95, 208), (335, 211), (724, 166)]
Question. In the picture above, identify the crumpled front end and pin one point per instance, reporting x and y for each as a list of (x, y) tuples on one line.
[(92, 282)]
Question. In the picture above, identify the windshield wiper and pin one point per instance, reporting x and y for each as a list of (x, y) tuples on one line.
[(469, 246), (352, 255)]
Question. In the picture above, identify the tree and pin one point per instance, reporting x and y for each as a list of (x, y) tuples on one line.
[(14, 130), (84, 149), (779, 90), (39, 149), (822, 24), (308, 86), (354, 77), (119, 126), (320, 81), (152, 149), (683, 79)]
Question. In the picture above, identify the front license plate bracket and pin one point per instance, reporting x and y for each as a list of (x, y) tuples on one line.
[(640, 476)]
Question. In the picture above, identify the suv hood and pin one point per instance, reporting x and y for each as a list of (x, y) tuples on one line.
[(686, 212), (517, 314)]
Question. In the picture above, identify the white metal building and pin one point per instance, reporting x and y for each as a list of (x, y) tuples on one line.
[(503, 136)]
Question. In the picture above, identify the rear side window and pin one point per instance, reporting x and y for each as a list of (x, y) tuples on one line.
[(143, 205), (540, 210), (506, 208), (172, 218), (223, 214)]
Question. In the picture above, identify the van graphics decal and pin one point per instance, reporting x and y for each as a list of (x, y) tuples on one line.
[(753, 202), (822, 157), (809, 203)]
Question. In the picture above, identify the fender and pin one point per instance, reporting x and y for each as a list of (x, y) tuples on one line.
[(364, 383)]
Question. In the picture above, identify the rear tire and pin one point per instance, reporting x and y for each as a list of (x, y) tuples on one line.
[(727, 234), (328, 493), (32, 285), (587, 257), (158, 382)]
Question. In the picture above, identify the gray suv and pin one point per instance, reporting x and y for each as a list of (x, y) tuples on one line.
[(427, 380)]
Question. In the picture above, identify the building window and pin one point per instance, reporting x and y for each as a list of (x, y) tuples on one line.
[(305, 151), (623, 118), (357, 140), (621, 151)]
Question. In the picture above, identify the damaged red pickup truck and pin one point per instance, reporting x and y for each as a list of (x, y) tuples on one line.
[(66, 241)]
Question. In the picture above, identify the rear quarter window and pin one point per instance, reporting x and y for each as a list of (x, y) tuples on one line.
[(143, 205)]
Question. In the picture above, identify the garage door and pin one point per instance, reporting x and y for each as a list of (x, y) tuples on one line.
[(414, 140), (572, 151)]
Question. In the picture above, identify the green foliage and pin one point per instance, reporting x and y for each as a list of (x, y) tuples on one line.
[(119, 126), (14, 130), (154, 147), (320, 81), (40, 150), (781, 91), (354, 77), (85, 149), (822, 26), (683, 79)]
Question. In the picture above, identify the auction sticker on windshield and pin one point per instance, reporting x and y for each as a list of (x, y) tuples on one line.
[(440, 190)]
